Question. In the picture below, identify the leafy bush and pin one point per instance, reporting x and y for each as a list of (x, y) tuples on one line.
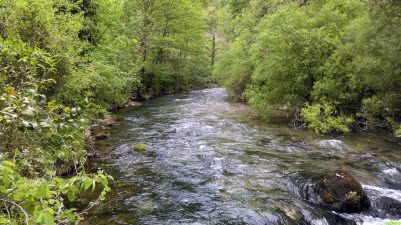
[(41, 141), (324, 54), (40, 200), (324, 119)]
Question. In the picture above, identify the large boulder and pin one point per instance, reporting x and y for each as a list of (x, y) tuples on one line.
[(340, 192)]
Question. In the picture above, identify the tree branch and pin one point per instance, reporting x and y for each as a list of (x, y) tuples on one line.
[(11, 202)]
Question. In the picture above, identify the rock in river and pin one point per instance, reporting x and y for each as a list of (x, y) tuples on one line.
[(340, 192), (139, 148), (390, 207)]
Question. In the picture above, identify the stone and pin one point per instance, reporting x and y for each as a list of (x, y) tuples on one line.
[(99, 132), (101, 136), (132, 104), (340, 192), (110, 122), (389, 206)]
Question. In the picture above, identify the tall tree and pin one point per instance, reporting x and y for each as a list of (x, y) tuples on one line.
[(169, 35)]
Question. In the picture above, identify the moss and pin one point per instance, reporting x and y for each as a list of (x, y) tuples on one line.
[(139, 148), (353, 197), (397, 132), (328, 198)]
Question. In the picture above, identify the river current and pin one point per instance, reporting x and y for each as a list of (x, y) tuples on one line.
[(212, 161)]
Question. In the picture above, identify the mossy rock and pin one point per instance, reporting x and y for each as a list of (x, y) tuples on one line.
[(340, 192), (139, 148)]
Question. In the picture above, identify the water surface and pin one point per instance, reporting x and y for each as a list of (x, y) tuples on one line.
[(212, 161)]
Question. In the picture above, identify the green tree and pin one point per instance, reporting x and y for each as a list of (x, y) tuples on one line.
[(170, 49)]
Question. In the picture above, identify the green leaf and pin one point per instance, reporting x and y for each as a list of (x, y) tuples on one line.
[(48, 218), (59, 181), (14, 221), (3, 189), (41, 192), (3, 220), (87, 184), (8, 169), (30, 208), (29, 111), (39, 218), (18, 196), (71, 217), (5, 178), (71, 196), (9, 163), (104, 180), (50, 210)]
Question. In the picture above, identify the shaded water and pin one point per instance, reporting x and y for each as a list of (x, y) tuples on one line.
[(211, 161)]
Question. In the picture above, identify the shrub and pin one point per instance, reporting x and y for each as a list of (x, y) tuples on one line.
[(324, 119), (41, 141)]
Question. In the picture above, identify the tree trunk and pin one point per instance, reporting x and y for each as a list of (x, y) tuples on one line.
[(213, 51)]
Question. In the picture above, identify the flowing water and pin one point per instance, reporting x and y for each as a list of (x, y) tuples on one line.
[(212, 161)]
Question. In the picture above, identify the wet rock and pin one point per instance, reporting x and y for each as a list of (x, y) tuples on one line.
[(88, 135), (392, 177), (126, 105), (98, 132), (389, 206), (172, 130), (132, 104), (340, 192), (110, 122), (101, 136), (107, 121), (321, 217)]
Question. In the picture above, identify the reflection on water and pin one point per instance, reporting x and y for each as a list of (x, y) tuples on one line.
[(211, 161)]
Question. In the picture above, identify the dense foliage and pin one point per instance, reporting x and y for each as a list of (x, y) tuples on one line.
[(334, 64), (64, 63)]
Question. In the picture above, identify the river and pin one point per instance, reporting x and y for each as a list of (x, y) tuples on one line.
[(212, 161)]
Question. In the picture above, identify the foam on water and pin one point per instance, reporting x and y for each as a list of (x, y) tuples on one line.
[(383, 192), (335, 144)]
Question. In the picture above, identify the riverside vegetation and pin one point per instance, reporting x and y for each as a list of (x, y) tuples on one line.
[(334, 64)]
